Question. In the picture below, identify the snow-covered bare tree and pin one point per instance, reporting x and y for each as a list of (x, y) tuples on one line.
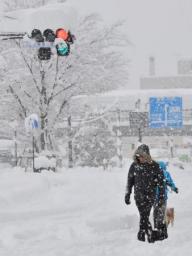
[(96, 63)]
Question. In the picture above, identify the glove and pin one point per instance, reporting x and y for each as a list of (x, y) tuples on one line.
[(176, 190), (127, 199)]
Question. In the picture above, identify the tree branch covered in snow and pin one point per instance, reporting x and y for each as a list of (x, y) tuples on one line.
[(97, 63), (18, 100)]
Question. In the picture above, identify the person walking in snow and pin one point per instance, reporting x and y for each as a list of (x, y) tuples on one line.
[(145, 176), (159, 210)]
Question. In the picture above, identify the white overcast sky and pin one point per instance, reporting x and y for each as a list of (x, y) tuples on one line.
[(162, 28)]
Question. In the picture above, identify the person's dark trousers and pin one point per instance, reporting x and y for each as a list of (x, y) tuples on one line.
[(159, 214), (144, 225), (159, 220)]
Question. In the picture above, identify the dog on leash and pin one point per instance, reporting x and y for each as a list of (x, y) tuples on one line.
[(170, 216)]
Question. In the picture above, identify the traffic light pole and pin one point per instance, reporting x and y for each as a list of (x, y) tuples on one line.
[(33, 153)]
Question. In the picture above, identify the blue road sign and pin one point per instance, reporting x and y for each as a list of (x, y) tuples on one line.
[(165, 112)]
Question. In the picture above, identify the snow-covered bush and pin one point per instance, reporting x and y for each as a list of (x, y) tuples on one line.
[(45, 161), (94, 147)]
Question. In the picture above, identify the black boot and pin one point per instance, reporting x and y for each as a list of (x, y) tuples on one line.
[(161, 233), (150, 236), (155, 235), (141, 235)]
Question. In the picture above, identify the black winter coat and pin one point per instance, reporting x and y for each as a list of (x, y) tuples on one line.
[(145, 178)]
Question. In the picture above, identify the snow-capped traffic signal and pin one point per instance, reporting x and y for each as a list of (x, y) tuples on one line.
[(44, 53), (70, 38), (44, 42), (65, 35), (37, 35), (62, 47), (61, 39), (64, 40), (61, 33), (49, 35)]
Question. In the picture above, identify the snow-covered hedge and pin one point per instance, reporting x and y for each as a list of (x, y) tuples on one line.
[(46, 161)]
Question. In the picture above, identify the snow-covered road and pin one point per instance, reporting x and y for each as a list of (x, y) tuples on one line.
[(82, 212)]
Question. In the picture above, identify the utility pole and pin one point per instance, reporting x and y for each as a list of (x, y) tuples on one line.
[(14, 125), (70, 145), (139, 134), (119, 142), (15, 139), (139, 125), (33, 153)]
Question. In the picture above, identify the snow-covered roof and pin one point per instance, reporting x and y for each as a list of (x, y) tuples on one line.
[(166, 82), (150, 92)]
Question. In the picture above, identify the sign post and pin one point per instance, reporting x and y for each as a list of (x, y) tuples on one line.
[(32, 124)]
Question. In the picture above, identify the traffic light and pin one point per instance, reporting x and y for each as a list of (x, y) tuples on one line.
[(62, 47), (66, 39), (49, 35), (61, 40), (61, 33), (44, 53), (70, 38), (65, 35), (37, 35)]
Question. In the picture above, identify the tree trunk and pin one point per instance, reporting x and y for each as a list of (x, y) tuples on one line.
[(42, 137), (44, 120)]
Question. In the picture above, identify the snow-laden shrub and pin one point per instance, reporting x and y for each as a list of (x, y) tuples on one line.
[(46, 160), (95, 147)]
